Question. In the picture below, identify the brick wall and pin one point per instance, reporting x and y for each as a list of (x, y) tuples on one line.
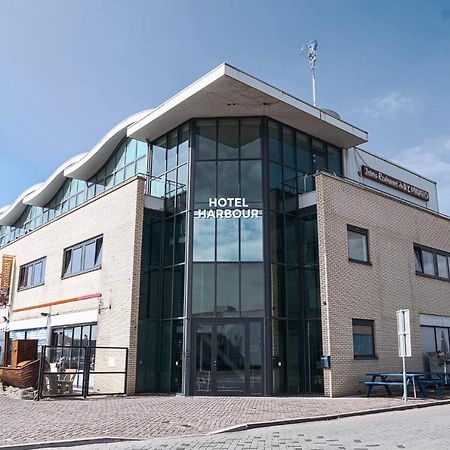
[(118, 215), (351, 290)]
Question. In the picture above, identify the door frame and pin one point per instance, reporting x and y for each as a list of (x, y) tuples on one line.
[(214, 322)]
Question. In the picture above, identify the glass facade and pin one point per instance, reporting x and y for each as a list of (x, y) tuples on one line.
[(127, 160), (230, 300)]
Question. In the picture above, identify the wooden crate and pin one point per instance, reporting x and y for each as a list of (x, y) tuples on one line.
[(23, 350)]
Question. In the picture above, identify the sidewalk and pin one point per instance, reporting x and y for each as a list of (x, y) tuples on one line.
[(152, 416)]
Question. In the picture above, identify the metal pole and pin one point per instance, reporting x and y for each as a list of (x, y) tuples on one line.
[(313, 85), (405, 390)]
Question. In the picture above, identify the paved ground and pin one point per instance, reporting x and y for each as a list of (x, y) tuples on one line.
[(425, 429), (151, 416)]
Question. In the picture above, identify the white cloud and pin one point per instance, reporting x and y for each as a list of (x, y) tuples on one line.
[(431, 159), (390, 105)]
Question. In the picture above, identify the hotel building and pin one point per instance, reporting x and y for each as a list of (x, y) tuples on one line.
[(238, 241)]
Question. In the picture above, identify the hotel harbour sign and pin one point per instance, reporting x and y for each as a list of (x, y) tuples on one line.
[(227, 208)]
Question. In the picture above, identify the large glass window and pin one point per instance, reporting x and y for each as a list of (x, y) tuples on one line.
[(32, 274), (357, 244), (431, 262), (203, 289), (363, 338), (83, 257)]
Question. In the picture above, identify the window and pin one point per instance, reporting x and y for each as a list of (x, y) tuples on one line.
[(32, 274), (363, 338), (431, 262), (83, 257), (358, 248)]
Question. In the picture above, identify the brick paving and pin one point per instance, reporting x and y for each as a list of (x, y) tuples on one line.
[(425, 429), (152, 416)]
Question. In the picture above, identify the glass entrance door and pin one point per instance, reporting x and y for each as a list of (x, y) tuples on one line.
[(228, 357)]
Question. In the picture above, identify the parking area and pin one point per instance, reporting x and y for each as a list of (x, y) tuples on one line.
[(153, 416)]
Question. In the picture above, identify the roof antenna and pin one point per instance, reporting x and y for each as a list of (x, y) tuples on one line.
[(309, 51)]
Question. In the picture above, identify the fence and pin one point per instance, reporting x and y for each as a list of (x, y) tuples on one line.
[(70, 371)]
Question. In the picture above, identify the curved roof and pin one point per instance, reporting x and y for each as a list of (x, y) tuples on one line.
[(100, 153), (82, 167), (42, 195), (10, 214)]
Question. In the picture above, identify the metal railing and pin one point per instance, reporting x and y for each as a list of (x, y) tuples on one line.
[(82, 371)]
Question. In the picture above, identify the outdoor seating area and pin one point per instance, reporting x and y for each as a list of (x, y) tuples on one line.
[(416, 382)]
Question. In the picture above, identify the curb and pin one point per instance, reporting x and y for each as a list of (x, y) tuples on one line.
[(365, 412), (68, 443)]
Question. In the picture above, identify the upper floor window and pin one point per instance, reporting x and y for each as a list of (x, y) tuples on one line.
[(32, 274), (358, 244), (83, 257), (431, 262)]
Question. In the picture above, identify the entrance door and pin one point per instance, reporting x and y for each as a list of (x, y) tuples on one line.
[(228, 358)]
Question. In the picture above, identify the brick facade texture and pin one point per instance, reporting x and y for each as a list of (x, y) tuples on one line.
[(376, 291), (117, 214)]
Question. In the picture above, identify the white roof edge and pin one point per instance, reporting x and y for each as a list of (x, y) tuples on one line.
[(226, 69), (14, 211), (38, 194), (42, 195), (89, 161), (179, 97), (275, 92)]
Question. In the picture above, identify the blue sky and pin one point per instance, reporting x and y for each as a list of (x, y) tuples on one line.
[(71, 70)]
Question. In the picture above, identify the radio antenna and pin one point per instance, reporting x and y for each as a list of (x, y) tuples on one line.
[(309, 51)]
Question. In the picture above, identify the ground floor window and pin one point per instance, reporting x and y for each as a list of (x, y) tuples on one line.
[(363, 338), (435, 347)]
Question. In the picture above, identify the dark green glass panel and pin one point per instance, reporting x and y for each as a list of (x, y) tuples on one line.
[(251, 182), (277, 237), (178, 291), (288, 147), (279, 351), (309, 239), (206, 137), (274, 142), (314, 351), (292, 238), (227, 290), (167, 293), (276, 186), (311, 292), (334, 159), (168, 241), (203, 358), (293, 293), (255, 358), (203, 289), (278, 291), (228, 139), (319, 155), (144, 293), (171, 190), (252, 289), (155, 243), (304, 155), (177, 356), (290, 190), (180, 238), (164, 366), (205, 183), (153, 294), (294, 382), (228, 179), (250, 138), (146, 356)]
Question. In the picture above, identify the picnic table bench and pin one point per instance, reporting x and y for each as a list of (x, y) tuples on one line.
[(413, 379)]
